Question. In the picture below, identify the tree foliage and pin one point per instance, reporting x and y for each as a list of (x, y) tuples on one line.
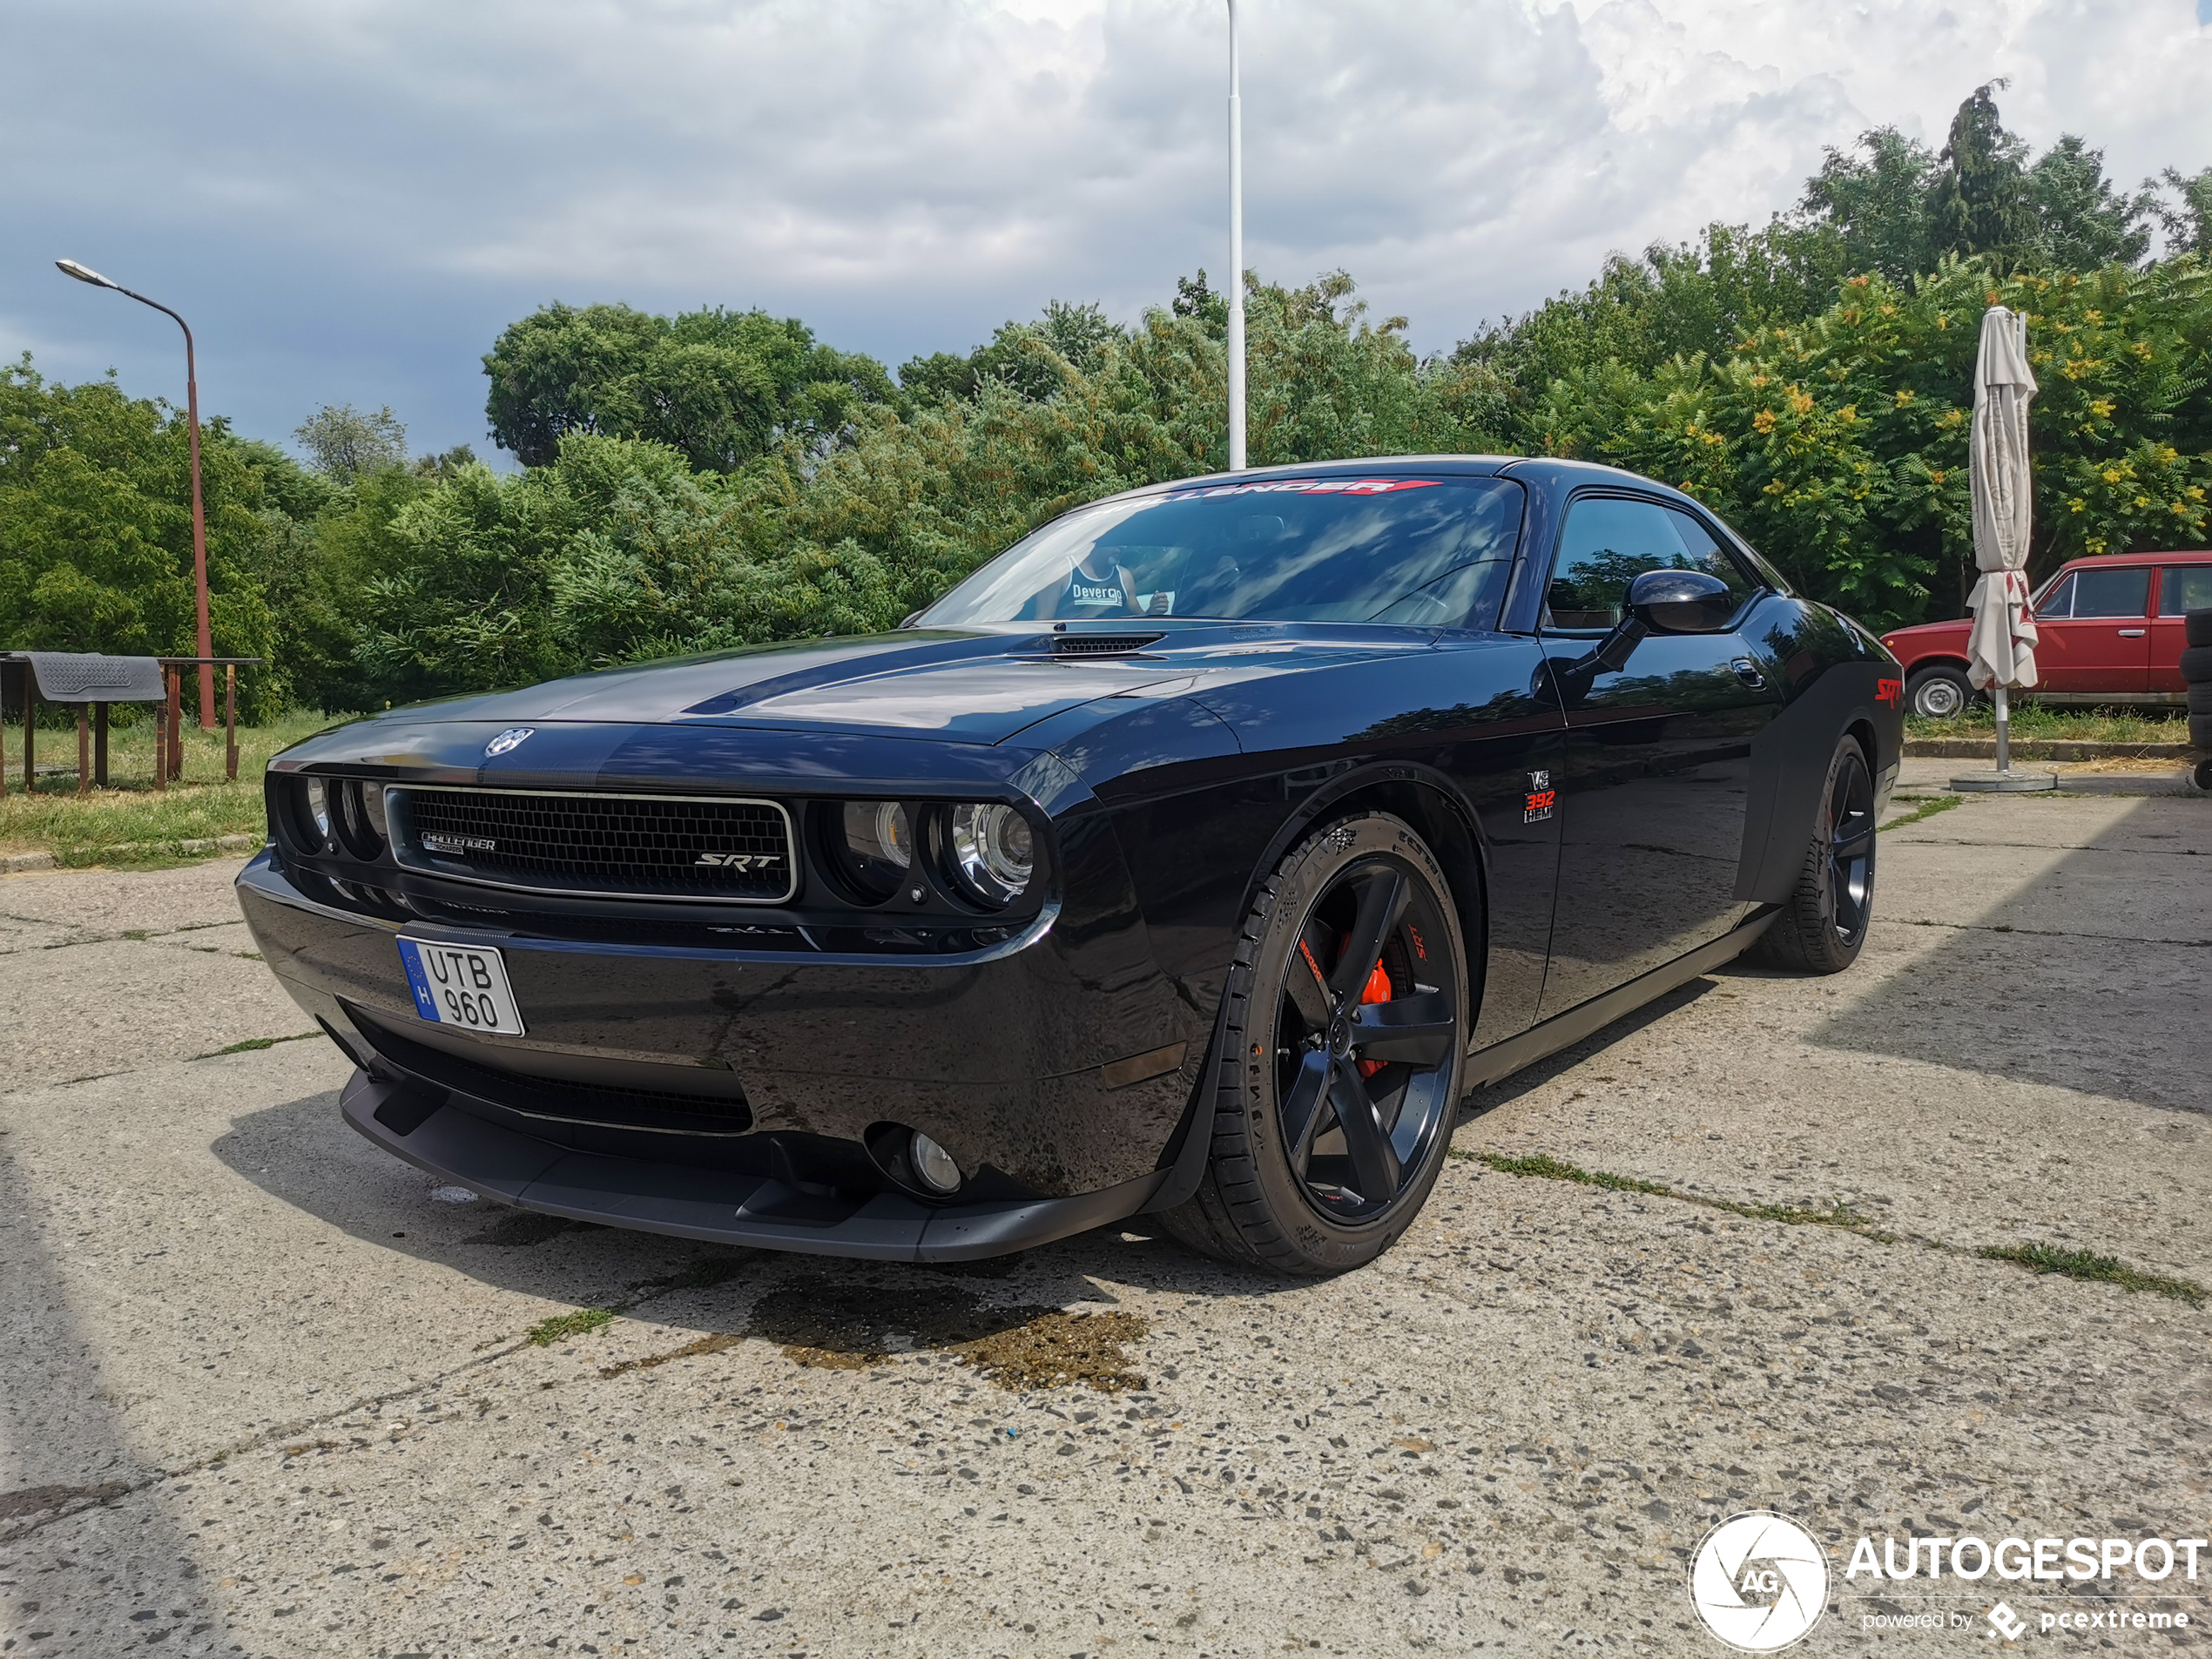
[(721, 388)]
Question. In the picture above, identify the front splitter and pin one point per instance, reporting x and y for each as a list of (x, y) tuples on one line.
[(714, 1205)]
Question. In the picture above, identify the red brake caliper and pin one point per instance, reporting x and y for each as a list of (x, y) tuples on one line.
[(1377, 990)]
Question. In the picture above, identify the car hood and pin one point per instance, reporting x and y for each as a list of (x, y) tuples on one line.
[(959, 686)]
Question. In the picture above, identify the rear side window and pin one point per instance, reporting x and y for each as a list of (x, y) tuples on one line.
[(1608, 541), (2185, 586), (2124, 592)]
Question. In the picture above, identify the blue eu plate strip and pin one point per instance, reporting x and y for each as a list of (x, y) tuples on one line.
[(418, 982)]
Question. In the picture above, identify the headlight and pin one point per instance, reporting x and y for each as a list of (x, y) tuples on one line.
[(994, 852), (873, 842), (319, 808), (373, 809)]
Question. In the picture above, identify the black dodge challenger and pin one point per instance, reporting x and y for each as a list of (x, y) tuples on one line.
[(1192, 859)]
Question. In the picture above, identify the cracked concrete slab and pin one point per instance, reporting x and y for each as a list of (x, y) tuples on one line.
[(264, 1390)]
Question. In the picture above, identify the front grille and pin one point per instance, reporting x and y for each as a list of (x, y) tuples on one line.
[(654, 847), (659, 1110)]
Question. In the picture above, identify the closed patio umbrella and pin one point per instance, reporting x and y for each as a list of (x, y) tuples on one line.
[(2002, 647)]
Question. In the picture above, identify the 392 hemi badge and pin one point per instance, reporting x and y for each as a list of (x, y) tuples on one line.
[(1541, 798)]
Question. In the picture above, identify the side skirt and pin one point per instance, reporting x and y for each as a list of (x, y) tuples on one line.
[(1501, 1060)]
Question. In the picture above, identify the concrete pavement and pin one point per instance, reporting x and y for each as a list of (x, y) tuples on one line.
[(266, 1391)]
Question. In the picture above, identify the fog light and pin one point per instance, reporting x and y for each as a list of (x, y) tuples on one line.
[(932, 1165)]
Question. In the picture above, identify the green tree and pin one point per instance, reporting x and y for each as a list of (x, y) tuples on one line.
[(96, 547), (1979, 201), (345, 445), (1874, 200), (721, 388)]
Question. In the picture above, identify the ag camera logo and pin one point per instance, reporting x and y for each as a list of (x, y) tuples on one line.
[(1760, 1581)]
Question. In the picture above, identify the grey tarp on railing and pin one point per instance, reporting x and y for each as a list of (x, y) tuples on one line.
[(85, 677)]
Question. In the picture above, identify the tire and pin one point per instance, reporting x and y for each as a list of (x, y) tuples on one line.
[(2200, 695), (1937, 693), (1285, 1187), (1824, 924), (2200, 730), (2202, 773), (2196, 663), (2196, 626)]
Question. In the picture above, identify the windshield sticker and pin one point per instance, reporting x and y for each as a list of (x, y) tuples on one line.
[(1306, 487), (1085, 592)]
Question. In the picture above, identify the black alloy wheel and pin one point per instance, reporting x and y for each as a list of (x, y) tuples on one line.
[(1823, 925), (1342, 1056)]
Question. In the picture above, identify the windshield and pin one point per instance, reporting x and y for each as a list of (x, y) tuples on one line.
[(1427, 552)]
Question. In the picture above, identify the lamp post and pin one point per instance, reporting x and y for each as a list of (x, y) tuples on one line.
[(1236, 260), (84, 273)]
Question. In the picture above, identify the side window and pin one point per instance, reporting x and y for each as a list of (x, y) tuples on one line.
[(1709, 555), (2124, 592), (2058, 603), (2184, 587), (1606, 544)]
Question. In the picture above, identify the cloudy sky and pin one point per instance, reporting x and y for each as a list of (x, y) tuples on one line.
[(349, 198)]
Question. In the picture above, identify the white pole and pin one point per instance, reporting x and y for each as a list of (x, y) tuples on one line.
[(1236, 260), (2004, 733)]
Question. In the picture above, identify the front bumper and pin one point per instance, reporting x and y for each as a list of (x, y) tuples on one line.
[(720, 1206), (736, 1094)]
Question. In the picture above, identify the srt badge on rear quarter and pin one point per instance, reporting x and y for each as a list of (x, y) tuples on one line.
[(512, 739), (1541, 799), (1888, 691)]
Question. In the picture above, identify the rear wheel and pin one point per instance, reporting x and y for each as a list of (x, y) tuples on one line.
[(1343, 1047), (1938, 693), (1823, 925)]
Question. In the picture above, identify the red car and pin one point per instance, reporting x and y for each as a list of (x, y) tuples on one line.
[(2110, 628)]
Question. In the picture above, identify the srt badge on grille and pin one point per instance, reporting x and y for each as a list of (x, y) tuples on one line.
[(439, 841), (512, 739), (738, 860)]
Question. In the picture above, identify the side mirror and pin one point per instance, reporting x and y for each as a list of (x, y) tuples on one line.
[(1681, 602)]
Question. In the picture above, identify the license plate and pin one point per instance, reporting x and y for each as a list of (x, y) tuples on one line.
[(463, 986)]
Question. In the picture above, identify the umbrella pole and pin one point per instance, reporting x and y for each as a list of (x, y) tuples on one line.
[(2004, 731)]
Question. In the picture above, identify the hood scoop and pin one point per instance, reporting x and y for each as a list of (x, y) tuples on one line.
[(1102, 644)]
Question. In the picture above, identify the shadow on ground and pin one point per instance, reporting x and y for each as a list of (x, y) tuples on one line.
[(2024, 991)]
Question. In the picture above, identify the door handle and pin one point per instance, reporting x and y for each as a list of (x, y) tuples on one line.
[(1748, 671), (2131, 633)]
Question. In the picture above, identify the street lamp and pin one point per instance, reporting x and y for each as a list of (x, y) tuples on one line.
[(1236, 260), (85, 273)]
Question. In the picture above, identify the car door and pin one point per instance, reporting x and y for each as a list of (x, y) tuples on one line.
[(1653, 793), (2094, 632), (2181, 588)]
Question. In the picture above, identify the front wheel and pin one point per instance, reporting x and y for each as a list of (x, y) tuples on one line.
[(1823, 925), (1344, 1044)]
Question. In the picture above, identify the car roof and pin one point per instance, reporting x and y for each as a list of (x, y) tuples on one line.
[(1557, 469), (2176, 556)]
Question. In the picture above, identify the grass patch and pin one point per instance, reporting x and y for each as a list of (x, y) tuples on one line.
[(254, 1044), (1544, 1167), (2096, 1270), (2067, 724), (1927, 808), (561, 1326), (1552, 1169), (129, 813)]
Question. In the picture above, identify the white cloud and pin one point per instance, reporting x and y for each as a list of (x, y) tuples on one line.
[(351, 198)]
